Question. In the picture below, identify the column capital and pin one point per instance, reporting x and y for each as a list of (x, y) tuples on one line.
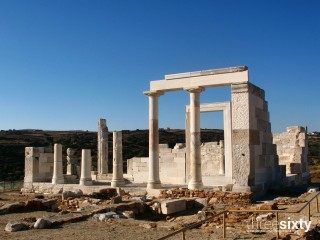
[(153, 93), (194, 89)]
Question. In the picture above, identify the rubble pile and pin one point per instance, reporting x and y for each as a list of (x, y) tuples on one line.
[(229, 198)]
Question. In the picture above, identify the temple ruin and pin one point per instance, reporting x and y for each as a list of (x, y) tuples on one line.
[(249, 159)]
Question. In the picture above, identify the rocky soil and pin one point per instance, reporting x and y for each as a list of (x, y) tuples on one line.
[(105, 215)]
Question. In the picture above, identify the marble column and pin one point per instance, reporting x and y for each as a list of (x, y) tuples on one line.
[(221, 169), (71, 162), (117, 176), (154, 175), (102, 147), (85, 178), (195, 181), (57, 177)]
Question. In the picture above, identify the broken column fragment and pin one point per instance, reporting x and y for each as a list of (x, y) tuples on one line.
[(102, 146)]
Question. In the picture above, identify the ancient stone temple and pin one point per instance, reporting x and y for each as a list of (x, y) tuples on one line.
[(247, 159)]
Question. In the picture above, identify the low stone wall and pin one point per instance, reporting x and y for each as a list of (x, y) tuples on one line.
[(173, 163), (292, 149), (229, 198)]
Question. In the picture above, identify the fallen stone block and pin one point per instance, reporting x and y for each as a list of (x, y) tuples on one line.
[(42, 223), (106, 193), (268, 206), (200, 202), (15, 226), (173, 206), (12, 208)]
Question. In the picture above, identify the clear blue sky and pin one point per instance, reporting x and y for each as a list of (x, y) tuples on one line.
[(66, 63)]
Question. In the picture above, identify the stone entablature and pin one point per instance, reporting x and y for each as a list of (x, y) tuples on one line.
[(292, 149)]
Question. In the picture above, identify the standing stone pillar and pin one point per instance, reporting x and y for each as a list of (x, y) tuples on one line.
[(221, 169), (57, 165), (154, 175), (31, 166), (195, 181), (117, 177), (71, 162), (102, 147), (187, 134), (85, 178)]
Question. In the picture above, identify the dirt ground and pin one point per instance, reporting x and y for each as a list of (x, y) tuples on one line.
[(126, 229)]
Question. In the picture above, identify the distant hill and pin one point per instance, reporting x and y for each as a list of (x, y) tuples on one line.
[(135, 144)]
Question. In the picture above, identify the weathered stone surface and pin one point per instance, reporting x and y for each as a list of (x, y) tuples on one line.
[(106, 193), (12, 208), (15, 226), (116, 199), (268, 206), (292, 148), (200, 202), (42, 223), (69, 194), (42, 204), (173, 206)]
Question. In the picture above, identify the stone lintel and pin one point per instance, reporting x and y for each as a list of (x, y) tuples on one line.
[(207, 80), (206, 72)]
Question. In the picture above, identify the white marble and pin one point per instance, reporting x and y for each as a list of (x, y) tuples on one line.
[(117, 176), (57, 177), (85, 178), (154, 176)]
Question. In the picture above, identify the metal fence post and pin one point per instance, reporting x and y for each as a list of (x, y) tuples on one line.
[(183, 235), (224, 225), (277, 218)]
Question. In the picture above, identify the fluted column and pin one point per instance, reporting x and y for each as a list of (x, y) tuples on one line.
[(85, 178), (195, 181), (57, 177), (117, 176), (154, 175)]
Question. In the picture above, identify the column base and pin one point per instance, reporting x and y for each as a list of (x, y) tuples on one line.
[(57, 180), (154, 185), (195, 185), (117, 183), (85, 181)]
